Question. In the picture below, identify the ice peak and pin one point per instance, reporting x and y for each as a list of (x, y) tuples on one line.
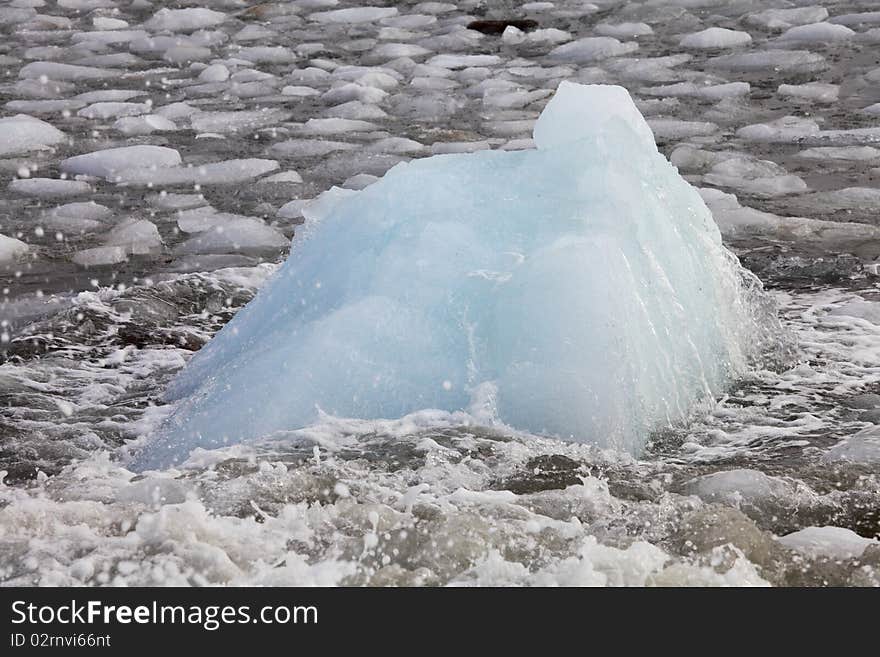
[(578, 111)]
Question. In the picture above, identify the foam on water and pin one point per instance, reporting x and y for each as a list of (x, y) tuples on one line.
[(579, 289)]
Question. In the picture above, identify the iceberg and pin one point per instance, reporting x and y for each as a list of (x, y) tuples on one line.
[(579, 289)]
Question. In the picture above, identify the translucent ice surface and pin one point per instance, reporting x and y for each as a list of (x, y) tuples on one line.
[(579, 289)]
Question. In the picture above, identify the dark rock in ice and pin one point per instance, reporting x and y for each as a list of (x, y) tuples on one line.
[(498, 27)]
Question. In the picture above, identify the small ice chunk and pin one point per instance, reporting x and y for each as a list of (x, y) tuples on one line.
[(862, 18), (108, 95), (855, 153), (850, 137), (311, 75), (59, 71), (167, 201), (177, 111), (22, 133), (136, 236), (266, 55), (546, 36), (334, 126), (690, 158), (856, 199), (244, 235), (77, 217), (110, 162), (283, 177), (144, 125), (355, 110), (40, 88), (49, 187), (15, 15), (111, 110), (830, 542), (409, 21), (309, 147), (753, 176), (591, 49), (782, 19), (359, 181), (707, 91), (389, 51), (254, 33), (99, 39), (861, 309), (353, 91), (11, 249), (184, 20), (300, 91), (353, 15), (237, 122), (623, 30), (715, 38), (429, 84), (435, 7), (100, 255), (768, 61), (463, 61), (214, 73), (816, 91), (675, 129), (817, 33), (445, 147), (738, 486), (787, 128), (107, 23), (519, 145), (216, 173), (44, 106), (186, 54), (862, 447), (734, 219), (396, 145), (293, 209), (202, 218), (513, 99)]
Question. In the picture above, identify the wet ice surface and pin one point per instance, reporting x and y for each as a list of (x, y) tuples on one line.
[(116, 269)]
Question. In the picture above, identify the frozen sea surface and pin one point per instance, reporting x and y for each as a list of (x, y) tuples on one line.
[(117, 268)]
